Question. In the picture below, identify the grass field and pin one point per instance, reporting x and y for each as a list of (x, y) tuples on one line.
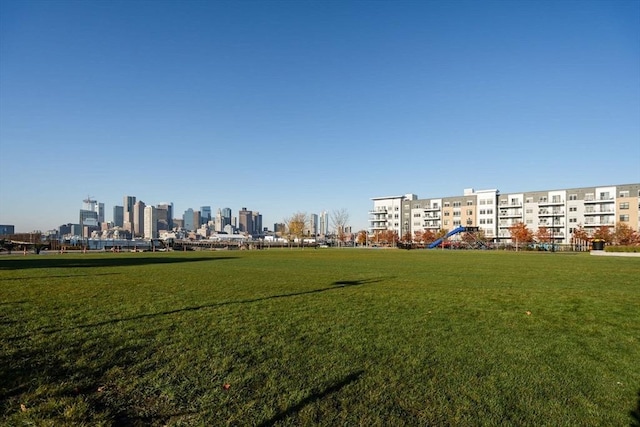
[(320, 337)]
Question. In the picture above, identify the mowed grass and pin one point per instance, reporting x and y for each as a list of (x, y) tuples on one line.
[(320, 337)]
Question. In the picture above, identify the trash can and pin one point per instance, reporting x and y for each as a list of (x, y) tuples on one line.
[(597, 245)]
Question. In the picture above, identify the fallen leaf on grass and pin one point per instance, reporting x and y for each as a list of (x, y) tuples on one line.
[(226, 386), (528, 313), (23, 407)]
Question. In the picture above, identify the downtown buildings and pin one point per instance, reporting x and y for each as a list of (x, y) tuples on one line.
[(559, 211)]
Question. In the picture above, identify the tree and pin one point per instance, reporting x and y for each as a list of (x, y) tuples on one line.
[(603, 233), (543, 235), (362, 237), (623, 235), (295, 224), (579, 233), (520, 233), (428, 236), (340, 219), (407, 238)]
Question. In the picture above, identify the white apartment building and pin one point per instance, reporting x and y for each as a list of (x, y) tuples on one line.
[(386, 213), (560, 211)]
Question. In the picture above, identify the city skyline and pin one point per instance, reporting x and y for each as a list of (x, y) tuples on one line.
[(310, 106)]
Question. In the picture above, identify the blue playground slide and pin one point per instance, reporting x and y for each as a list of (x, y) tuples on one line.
[(449, 234)]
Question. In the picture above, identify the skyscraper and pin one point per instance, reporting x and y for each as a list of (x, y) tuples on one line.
[(118, 216), (245, 221), (138, 218), (205, 214), (128, 204), (187, 220), (226, 217), (150, 223), (169, 209)]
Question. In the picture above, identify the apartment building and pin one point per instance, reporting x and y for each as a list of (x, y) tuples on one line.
[(559, 211)]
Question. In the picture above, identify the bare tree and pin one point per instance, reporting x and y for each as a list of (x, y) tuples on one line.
[(340, 219)]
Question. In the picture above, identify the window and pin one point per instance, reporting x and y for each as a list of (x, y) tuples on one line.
[(483, 202), (446, 213), (469, 202), (457, 204), (624, 218), (483, 221), (573, 219), (484, 211), (469, 211), (489, 220), (456, 213), (624, 194), (573, 197), (529, 199), (529, 221), (446, 222), (624, 205), (457, 222), (529, 210), (447, 204), (543, 199), (489, 211), (573, 208), (489, 202)]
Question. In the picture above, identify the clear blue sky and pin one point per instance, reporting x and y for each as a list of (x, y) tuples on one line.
[(287, 106)]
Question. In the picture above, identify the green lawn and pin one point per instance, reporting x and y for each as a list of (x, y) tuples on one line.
[(320, 337)]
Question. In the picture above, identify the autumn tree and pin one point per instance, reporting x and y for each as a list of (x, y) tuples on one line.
[(580, 233), (623, 235), (520, 233), (603, 233), (428, 236), (543, 235), (295, 224), (407, 237), (362, 237)]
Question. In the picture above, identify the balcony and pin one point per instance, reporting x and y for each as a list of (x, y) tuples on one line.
[(545, 212), (507, 214), (551, 203), (600, 200), (600, 212)]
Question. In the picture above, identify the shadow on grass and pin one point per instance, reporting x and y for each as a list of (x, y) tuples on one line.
[(635, 414), (63, 276), (335, 285), (351, 378), (105, 261)]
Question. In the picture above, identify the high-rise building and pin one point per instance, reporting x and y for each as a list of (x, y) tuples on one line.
[(7, 229), (226, 217), (187, 220), (245, 221), (128, 204), (257, 223), (138, 218), (90, 216), (205, 214), (150, 223), (118, 216), (324, 224), (168, 207), (311, 229)]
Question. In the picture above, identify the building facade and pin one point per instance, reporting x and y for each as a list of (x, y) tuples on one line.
[(560, 212)]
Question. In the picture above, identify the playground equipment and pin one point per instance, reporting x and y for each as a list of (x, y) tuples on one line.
[(453, 232)]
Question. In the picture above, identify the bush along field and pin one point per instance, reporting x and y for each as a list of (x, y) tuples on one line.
[(320, 337)]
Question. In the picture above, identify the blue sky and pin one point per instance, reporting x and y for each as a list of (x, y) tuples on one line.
[(288, 106)]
